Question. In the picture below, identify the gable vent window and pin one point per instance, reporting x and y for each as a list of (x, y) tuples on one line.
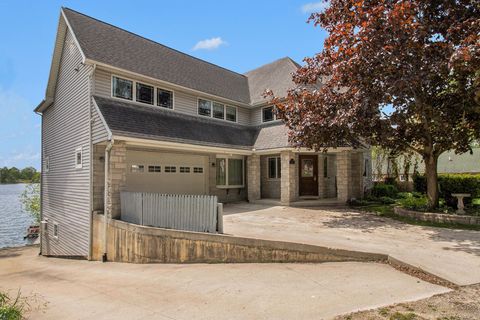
[(154, 169), (204, 107), (268, 114), (144, 93), (47, 163), (231, 113), (78, 158), (55, 230), (165, 98), (122, 88)]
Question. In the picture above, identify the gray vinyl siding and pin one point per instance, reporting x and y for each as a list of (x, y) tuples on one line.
[(256, 116), (66, 189), (99, 131), (184, 102)]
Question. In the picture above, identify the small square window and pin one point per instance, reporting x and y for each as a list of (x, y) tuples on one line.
[(122, 88), (165, 98), (231, 113), (268, 114), (78, 158), (218, 110), (144, 93), (154, 169), (137, 168), (204, 107), (197, 170), (184, 169), (55, 230), (170, 169)]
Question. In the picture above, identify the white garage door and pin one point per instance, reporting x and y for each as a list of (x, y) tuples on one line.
[(171, 173)]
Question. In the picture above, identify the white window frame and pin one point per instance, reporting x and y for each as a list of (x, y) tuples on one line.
[(156, 98), (134, 93), (77, 151), (46, 163), (55, 230), (226, 157), (274, 114), (146, 85), (223, 107), (278, 161), (211, 110)]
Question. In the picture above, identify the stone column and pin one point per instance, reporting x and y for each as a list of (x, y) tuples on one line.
[(117, 177), (344, 176), (321, 174), (253, 177), (288, 183)]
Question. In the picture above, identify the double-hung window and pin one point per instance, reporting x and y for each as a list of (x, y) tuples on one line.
[(231, 113), (230, 172), (122, 88), (274, 168)]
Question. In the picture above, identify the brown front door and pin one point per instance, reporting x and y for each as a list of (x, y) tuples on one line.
[(308, 171)]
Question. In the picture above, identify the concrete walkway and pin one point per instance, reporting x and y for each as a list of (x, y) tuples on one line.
[(75, 289), (451, 254)]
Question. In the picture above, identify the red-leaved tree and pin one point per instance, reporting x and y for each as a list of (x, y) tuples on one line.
[(403, 75)]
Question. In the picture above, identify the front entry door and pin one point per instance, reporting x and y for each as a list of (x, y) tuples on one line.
[(308, 171)]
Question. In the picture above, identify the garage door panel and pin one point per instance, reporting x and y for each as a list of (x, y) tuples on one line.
[(170, 178)]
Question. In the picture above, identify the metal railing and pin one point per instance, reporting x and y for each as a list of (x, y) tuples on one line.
[(199, 213)]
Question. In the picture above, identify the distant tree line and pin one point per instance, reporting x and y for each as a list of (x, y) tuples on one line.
[(15, 175)]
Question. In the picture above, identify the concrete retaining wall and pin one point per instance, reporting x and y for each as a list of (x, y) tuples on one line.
[(138, 244), (437, 217)]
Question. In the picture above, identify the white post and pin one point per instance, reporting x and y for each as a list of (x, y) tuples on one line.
[(219, 217)]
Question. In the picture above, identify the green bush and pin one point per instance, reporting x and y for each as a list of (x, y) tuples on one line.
[(386, 200), (384, 190), (11, 308), (414, 203), (452, 183)]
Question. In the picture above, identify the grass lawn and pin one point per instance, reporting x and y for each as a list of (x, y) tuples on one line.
[(386, 210)]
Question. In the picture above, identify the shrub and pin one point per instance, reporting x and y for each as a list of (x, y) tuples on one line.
[(386, 200), (452, 183), (11, 308), (414, 203), (384, 190)]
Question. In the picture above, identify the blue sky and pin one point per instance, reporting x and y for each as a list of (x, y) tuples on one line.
[(238, 35)]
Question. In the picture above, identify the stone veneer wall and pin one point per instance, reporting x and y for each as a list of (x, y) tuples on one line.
[(437, 217), (289, 180), (270, 188), (98, 177), (117, 177), (253, 177)]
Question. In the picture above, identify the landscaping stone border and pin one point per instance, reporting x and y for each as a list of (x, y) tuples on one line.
[(437, 217)]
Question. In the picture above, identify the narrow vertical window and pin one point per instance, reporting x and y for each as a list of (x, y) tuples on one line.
[(47, 163), (55, 230), (221, 165), (78, 158), (274, 168), (325, 167)]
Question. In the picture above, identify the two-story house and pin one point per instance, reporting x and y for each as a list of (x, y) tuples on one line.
[(122, 112)]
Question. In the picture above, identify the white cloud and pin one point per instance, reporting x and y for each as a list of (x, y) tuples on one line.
[(314, 7), (209, 44)]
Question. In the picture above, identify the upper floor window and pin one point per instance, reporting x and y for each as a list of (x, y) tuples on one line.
[(231, 113), (218, 110), (268, 114), (204, 107), (122, 88), (164, 98), (144, 93)]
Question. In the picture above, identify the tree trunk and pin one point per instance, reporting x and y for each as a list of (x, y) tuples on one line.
[(432, 180)]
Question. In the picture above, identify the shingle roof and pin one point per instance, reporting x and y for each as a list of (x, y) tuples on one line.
[(272, 136), (276, 76), (133, 120), (111, 45)]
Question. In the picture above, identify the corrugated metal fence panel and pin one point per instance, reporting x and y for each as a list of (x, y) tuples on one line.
[(181, 212)]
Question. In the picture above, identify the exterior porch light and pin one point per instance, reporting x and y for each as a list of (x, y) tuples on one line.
[(292, 161)]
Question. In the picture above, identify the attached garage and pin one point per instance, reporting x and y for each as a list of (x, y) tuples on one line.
[(166, 172)]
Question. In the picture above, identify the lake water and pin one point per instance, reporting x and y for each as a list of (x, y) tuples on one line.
[(13, 221)]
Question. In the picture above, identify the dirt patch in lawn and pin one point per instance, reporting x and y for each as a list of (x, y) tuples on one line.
[(461, 304)]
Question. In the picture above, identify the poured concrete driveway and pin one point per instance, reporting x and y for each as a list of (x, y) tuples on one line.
[(451, 254), (75, 289)]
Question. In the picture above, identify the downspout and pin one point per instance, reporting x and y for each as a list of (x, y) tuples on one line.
[(106, 210), (91, 88)]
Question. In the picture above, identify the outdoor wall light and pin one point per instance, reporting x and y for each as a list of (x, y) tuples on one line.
[(213, 164), (292, 161)]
